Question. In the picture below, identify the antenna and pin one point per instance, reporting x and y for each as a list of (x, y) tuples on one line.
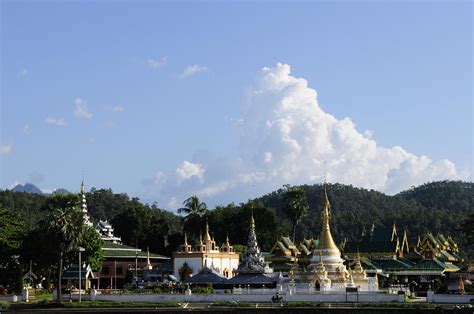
[(325, 172)]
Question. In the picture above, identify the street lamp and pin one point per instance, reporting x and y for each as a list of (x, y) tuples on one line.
[(80, 249), (136, 267)]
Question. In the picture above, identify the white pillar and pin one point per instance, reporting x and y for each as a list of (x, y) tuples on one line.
[(429, 295), (93, 294), (25, 295)]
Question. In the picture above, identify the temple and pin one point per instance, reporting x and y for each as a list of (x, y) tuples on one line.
[(327, 255), (120, 260), (189, 262), (253, 271)]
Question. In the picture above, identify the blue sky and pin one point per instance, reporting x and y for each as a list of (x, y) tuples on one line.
[(109, 77)]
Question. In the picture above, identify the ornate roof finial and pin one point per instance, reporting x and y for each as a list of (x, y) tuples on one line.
[(227, 242), (252, 221), (148, 263), (185, 239), (83, 190), (207, 236), (326, 203)]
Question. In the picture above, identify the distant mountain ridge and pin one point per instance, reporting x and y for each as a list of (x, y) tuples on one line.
[(28, 188), (33, 189)]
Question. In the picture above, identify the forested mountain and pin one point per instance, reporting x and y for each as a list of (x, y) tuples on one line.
[(432, 207)]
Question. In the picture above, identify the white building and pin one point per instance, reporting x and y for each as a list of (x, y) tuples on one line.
[(188, 262)]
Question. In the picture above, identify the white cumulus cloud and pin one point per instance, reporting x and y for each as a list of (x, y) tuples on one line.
[(5, 149), (80, 109), (54, 121), (187, 170), (287, 138), (193, 69)]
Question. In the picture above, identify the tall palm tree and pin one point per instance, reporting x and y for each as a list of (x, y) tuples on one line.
[(65, 226), (296, 205), (194, 211), (192, 206)]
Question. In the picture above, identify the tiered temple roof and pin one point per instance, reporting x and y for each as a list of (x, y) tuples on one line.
[(252, 260), (253, 270)]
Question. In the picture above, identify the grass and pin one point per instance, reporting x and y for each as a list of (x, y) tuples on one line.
[(44, 304), (109, 304), (43, 296)]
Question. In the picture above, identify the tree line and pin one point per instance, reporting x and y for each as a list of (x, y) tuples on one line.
[(294, 211)]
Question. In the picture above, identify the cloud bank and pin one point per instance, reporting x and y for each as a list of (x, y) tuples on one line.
[(286, 137)]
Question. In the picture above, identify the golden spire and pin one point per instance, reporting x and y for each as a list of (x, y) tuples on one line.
[(207, 237), (326, 240), (252, 221), (185, 239), (83, 189), (227, 242), (326, 203)]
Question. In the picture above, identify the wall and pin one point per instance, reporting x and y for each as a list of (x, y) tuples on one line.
[(449, 298), (253, 297)]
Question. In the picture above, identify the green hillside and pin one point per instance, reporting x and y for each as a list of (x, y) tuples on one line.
[(432, 207)]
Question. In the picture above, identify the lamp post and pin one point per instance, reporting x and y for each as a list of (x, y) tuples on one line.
[(80, 249), (115, 273), (136, 267)]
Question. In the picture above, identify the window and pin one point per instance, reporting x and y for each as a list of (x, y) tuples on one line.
[(105, 270)]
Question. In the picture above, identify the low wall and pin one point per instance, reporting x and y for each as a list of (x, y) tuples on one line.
[(11, 298), (316, 297), (449, 298)]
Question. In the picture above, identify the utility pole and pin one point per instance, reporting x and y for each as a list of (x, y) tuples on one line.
[(80, 249)]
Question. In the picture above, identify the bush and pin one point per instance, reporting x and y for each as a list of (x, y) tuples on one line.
[(205, 290)]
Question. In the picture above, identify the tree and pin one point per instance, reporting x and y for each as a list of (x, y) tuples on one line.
[(195, 211), (64, 224), (468, 229), (192, 206), (11, 235), (296, 205), (92, 243)]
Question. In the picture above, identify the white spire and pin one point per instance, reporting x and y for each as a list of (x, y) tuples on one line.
[(85, 214)]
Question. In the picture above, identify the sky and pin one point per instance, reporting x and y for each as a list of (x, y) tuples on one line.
[(231, 100)]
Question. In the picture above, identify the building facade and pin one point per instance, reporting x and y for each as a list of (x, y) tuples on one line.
[(189, 261)]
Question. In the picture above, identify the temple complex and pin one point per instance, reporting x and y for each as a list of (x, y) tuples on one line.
[(189, 262)]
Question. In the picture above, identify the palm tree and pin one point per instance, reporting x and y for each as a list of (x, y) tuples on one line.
[(193, 207), (296, 205), (195, 211), (65, 225)]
